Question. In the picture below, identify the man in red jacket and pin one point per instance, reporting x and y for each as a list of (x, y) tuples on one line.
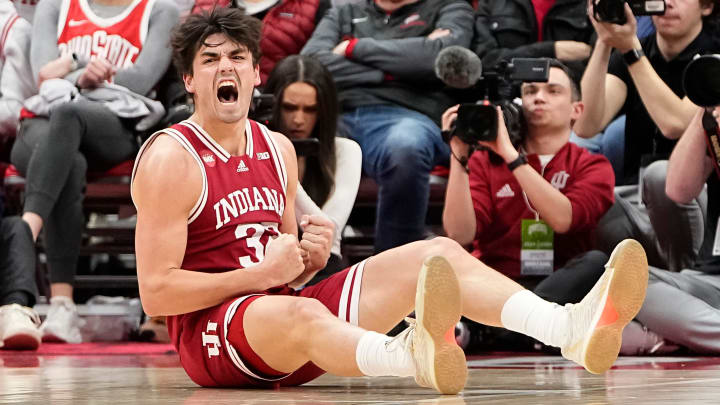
[(535, 207)]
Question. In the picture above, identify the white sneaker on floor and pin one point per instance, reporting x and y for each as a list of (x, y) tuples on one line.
[(19, 328), (62, 323), (439, 362), (597, 322)]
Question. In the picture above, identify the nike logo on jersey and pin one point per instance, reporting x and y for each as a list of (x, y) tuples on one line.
[(75, 23), (505, 192), (263, 155), (242, 167)]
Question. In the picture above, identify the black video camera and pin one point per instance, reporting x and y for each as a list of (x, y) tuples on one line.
[(613, 11), (479, 121), (261, 108)]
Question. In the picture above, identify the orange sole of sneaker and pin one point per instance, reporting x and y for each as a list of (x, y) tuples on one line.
[(626, 294), (438, 309)]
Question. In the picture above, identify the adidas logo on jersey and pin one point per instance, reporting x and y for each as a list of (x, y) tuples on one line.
[(505, 192), (263, 155), (242, 167)]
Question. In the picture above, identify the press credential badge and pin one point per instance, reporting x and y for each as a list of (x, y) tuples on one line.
[(536, 256)]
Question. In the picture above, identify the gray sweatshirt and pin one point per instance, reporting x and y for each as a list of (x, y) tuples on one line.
[(16, 80), (391, 58), (140, 78)]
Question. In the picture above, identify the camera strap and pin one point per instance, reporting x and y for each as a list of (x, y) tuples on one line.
[(712, 134)]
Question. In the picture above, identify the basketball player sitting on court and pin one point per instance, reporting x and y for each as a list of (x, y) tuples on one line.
[(217, 251)]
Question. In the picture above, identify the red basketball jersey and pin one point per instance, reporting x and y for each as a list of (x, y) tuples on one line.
[(242, 200), (118, 39), (241, 204)]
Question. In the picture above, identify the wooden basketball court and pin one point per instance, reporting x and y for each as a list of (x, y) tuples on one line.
[(30, 378)]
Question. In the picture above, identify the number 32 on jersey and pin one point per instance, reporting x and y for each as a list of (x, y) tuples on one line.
[(256, 237)]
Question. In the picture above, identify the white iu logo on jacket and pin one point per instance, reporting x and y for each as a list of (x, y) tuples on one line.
[(559, 179)]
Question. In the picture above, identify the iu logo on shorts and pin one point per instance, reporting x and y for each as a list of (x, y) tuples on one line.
[(211, 340)]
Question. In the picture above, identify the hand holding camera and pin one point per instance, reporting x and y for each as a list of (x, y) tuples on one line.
[(615, 11), (459, 148), (621, 37), (502, 145)]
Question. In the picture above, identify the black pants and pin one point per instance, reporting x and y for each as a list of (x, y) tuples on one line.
[(17, 263), (573, 281), (567, 285), (54, 155)]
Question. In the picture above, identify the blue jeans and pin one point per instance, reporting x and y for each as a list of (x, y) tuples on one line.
[(400, 147), (610, 143)]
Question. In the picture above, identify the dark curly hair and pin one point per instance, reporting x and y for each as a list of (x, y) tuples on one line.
[(190, 35)]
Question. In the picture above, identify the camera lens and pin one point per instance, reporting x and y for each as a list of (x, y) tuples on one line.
[(701, 81)]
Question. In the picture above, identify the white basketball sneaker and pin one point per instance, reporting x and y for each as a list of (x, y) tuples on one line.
[(62, 323), (439, 362), (19, 328), (597, 322)]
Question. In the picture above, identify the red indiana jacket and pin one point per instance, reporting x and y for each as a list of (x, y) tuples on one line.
[(286, 29), (587, 180)]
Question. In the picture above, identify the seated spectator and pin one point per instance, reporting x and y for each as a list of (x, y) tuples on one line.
[(16, 81), (54, 153), (306, 107), (381, 54), (500, 198), (643, 79), (693, 317), (506, 29), (19, 324), (287, 26)]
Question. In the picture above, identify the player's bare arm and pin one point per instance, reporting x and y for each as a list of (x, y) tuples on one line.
[(166, 171)]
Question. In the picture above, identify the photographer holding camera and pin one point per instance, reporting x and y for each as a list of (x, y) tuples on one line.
[(643, 79), (693, 318), (548, 194)]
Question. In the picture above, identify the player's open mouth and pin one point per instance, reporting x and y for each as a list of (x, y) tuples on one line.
[(227, 91)]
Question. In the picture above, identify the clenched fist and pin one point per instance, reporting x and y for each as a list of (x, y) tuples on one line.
[(316, 241), (283, 259)]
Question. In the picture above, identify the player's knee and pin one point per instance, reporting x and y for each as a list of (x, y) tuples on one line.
[(308, 310), (444, 246), (654, 179)]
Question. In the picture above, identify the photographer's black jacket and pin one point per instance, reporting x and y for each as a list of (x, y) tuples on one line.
[(505, 29)]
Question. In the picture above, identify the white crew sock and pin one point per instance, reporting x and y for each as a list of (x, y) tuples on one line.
[(531, 315), (373, 359)]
